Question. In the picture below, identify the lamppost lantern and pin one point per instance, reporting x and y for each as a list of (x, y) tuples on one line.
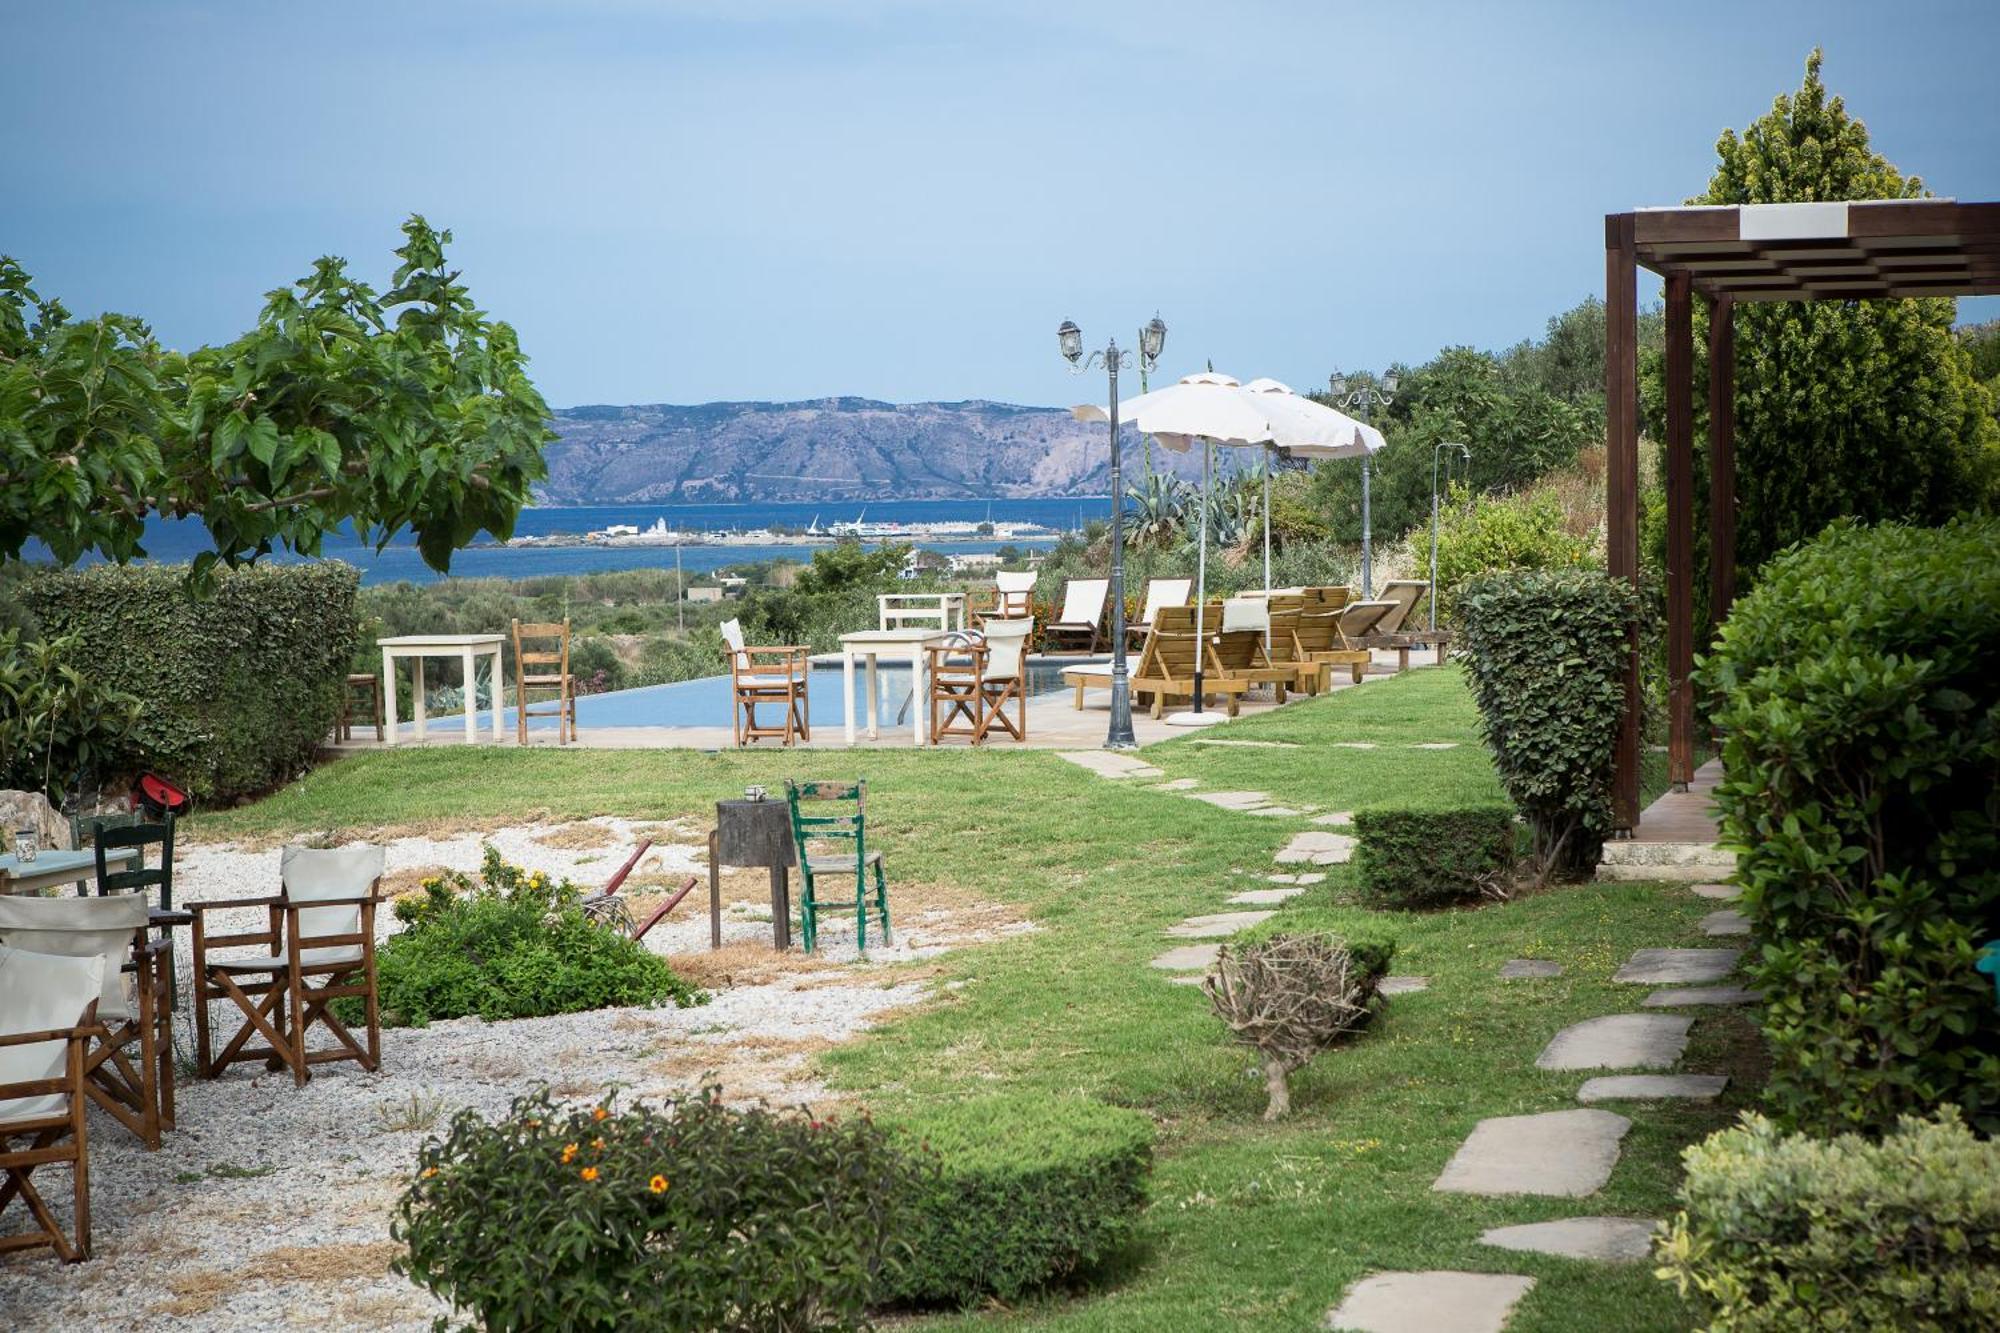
[(1071, 338), (1337, 384), (1390, 379), (1364, 397), (1152, 340)]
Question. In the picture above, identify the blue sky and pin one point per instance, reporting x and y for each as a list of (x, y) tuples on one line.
[(729, 199)]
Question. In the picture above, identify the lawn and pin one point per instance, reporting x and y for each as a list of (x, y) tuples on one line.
[(1251, 1225)]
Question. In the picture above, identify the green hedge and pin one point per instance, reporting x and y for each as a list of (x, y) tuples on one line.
[(1544, 652), (1783, 1233), (1028, 1191), (1859, 687), (1430, 858), (240, 685)]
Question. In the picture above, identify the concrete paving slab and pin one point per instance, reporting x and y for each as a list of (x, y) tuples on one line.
[(1217, 925), (1316, 848), (1186, 979), (1354, 745), (1232, 800), (1435, 745), (1245, 745), (1336, 819), (1618, 1041), (1403, 985), (1179, 784), (1526, 969), (1188, 957), (1563, 1154), (1265, 897), (1619, 1240), (1303, 877), (1110, 764), (1676, 997), (1725, 922), (1653, 1087), (1439, 1301), (1277, 812), (1721, 892), (1677, 967)]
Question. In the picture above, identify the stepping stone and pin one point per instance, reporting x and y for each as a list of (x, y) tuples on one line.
[(1354, 745), (1187, 957), (1111, 764), (1337, 819), (1307, 877), (1320, 849), (1217, 925), (1723, 892), (1522, 969), (1677, 967), (1179, 784), (1727, 921), (1440, 1301), (1565, 1154), (1618, 1041), (1675, 997), (1186, 979), (1248, 745), (1435, 745), (1403, 985), (1276, 812), (1265, 897), (1653, 1087), (1619, 1240), (1233, 800)]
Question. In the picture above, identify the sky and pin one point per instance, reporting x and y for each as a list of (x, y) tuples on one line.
[(737, 199)]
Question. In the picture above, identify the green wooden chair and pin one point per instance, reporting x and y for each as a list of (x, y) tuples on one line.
[(111, 833), (837, 827)]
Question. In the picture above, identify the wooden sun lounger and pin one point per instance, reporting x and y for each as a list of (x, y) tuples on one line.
[(1392, 630), (1166, 667), (1308, 676)]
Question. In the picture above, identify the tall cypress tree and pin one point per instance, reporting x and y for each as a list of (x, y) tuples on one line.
[(1868, 408)]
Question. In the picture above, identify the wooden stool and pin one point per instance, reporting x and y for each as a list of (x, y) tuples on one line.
[(344, 728)]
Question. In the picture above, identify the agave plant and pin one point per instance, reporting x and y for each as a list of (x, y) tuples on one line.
[(1159, 510)]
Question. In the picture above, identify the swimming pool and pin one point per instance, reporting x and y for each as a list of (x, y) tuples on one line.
[(705, 702)]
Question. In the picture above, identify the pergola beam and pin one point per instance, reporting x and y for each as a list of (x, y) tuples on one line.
[(1680, 529), (1721, 459), (1621, 484)]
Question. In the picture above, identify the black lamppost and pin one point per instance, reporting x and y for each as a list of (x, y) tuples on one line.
[(1437, 452), (1364, 398), (1152, 340)]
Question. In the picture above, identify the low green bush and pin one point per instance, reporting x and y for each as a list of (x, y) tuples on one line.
[(511, 945), (1786, 1232), (1432, 858), (1492, 534), (1859, 690), (689, 1215), (58, 722), (1544, 652), (1025, 1192), (241, 683)]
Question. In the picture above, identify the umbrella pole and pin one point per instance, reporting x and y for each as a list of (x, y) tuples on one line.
[(1267, 527), (1201, 573)]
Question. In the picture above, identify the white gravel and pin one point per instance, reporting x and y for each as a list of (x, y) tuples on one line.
[(262, 1177)]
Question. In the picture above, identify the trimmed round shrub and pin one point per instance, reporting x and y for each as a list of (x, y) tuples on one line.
[(1789, 1232), (1545, 656), (685, 1216), (1433, 858), (1859, 690), (1022, 1192)]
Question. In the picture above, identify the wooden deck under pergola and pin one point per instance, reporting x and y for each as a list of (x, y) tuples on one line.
[(1872, 250)]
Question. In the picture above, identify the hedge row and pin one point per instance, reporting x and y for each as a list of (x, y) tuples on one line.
[(1431, 858), (239, 684)]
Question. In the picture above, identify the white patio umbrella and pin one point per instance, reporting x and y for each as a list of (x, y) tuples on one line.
[(1214, 409), (1303, 428)]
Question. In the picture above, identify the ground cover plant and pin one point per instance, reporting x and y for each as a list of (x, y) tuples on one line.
[(1248, 1224)]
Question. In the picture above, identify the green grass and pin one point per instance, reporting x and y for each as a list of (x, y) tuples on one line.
[(1251, 1225)]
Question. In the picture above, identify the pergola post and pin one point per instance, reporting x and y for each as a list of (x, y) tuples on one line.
[(1621, 421), (1721, 458), (1679, 389)]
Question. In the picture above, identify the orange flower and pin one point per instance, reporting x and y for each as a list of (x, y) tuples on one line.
[(658, 1184), (569, 1153), (590, 1173), (600, 1114), (597, 1145), (430, 1171)]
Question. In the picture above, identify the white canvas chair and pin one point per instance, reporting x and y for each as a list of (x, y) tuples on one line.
[(1080, 624), (1013, 595), (129, 1067), (973, 678), (1159, 593), (321, 937), (770, 677), (47, 1020)]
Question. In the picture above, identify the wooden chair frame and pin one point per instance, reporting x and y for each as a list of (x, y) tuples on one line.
[(51, 1140), (1008, 603), (1166, 667), (343, 727), (1136, 631), (960, 688), (284, 1007), (527, 682), (1308, 676), (1066, 635), (769, 675), (810, 828)]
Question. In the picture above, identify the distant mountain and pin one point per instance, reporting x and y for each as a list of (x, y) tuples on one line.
[(830, 449)]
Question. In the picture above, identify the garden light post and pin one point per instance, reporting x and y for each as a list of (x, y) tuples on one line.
[(1436, 452), (1152, 340), (1364, 398)]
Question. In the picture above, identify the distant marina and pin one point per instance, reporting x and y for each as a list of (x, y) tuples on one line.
[(860, 528)]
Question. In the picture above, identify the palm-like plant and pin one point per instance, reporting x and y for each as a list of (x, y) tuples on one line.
[(1159, 510)]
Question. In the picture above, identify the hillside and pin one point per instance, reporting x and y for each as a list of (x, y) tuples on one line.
[(830, 448)]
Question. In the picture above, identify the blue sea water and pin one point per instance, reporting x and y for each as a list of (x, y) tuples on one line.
[(174, 540)]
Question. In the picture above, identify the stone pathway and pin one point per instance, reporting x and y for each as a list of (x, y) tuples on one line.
[(1111, 763), (1219, 925), (1316, 848), (1675, 997), (1610, 1239), (1720, 892), (1561, 1154), (1653, 1087), (1618, 1041), (1246, 745), (1442, 1301), (1264, 897), (1526, 969), (1670, 967), (1305, 877), (1727, 921), (1403, 985), (1188, 957), (1336, 819)]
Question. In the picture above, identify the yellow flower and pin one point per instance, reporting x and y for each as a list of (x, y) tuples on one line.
[(590, 1173), (600, 1114), (658, 1184), (569, 1153)]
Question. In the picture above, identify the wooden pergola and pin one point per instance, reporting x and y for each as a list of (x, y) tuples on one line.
[(1872, 250)]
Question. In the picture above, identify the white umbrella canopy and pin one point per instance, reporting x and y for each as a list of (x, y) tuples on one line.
[(1306, 429), (1207, 406)]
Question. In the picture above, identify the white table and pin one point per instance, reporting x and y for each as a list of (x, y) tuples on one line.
[(51, 868), (866, 646), (939, 611), (465, 647)]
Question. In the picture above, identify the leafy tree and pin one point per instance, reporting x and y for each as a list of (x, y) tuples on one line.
[(1864, 408), (411, 409)]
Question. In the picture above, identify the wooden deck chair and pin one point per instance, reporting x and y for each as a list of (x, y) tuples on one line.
[(129, 1065), (773, 677), (1013, 594), (47, 1020), (1394, 629), (1004, 677), (1330, 597), (1166, 667), (541, 670), (1320, 640), (1239, 650), (973, 681), (1079, 627), (1308, 676), (139, 835), (320, 935), (1402, 596), (837, 828), (1159, 593)]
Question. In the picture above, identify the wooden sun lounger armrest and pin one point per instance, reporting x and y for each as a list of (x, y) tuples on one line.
[(787, 648), (52, 1034), (309, 904), (219, 904)]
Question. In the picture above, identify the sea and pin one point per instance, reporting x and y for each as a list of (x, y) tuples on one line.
[(178, 540)]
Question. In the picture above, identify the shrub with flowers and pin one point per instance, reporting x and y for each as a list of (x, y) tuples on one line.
[(686, 1215), (512, 944)]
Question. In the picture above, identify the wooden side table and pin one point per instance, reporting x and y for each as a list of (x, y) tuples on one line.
[(753, 833)]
